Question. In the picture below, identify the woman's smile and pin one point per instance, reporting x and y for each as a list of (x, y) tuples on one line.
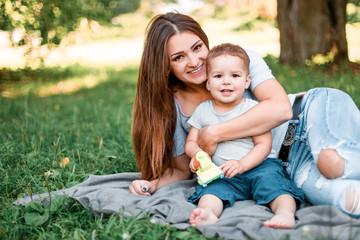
[(199, 69)]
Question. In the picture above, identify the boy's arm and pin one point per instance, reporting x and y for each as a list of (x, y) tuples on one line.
[(261, 149), (192, 147)]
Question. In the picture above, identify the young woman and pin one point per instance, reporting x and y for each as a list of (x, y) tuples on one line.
[(323, 151)]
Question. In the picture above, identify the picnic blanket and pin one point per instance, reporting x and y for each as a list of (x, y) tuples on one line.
[(108, 194)]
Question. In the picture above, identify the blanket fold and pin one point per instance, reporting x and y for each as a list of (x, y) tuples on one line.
[(109, 194)]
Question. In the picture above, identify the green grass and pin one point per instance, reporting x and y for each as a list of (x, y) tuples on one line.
[(90, 126), (42, 122), (302, 78)]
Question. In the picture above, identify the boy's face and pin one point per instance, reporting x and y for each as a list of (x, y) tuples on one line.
[(227, 79)]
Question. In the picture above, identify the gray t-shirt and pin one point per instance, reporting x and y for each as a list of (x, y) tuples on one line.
[(259, 72), (205, 115)]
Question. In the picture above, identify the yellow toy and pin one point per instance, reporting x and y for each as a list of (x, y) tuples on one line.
[(207, 170)]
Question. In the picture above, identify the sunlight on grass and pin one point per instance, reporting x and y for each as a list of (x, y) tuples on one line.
[(72, 85), (353, 38), (62, 86)]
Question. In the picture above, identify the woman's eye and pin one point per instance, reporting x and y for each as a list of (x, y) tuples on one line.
[(177, 58), (197, 47)]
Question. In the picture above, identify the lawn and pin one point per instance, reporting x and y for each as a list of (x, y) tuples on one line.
[(89, 126), (48, 115)]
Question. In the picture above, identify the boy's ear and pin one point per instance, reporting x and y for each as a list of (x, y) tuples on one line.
[(247, 81), (207, 84)]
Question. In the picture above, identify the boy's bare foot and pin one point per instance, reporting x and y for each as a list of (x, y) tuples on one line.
[(202, 216), (281, 220)]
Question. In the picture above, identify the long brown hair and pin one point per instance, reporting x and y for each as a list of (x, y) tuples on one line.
[(154, 113)]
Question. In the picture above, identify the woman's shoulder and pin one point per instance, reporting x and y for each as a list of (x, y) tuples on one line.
[(251, 53)]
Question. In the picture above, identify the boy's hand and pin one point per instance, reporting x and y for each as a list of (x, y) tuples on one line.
[(232, 167), (192, 165)]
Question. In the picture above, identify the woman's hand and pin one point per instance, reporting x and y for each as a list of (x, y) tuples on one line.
[(142, 187), (207, 140)]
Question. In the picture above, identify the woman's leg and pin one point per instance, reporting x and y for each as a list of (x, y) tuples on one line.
[(330, 163), (333, 129), (339, 192), (325, 158)]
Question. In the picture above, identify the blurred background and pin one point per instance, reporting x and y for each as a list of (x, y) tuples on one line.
[(43, 43), (38, 33)]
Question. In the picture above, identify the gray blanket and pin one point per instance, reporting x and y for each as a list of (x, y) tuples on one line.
[(109, 194)]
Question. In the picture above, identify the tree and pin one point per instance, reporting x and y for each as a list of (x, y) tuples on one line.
[(309, 27), (51, 20)]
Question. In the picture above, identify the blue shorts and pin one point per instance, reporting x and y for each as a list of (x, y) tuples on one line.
[(263, 184)]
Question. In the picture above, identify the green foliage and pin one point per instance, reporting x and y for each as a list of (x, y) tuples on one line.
[(51, 20), (303, 77), (353, 13), (355, 2)]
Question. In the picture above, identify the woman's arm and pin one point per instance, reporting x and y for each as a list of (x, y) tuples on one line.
[(179, 172), (274, 108)]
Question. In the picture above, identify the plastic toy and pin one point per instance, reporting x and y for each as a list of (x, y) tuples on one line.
[(207, 171)]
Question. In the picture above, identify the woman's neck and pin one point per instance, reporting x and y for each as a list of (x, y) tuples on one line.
[(191, 95)]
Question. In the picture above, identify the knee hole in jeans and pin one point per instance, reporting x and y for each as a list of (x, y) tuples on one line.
[(351, 200), (330, 163)]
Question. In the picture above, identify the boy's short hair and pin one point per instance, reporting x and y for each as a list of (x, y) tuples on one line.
[(227, 49)]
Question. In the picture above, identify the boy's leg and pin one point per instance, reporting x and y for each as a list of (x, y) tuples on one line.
[(208, 211), (283, 207)]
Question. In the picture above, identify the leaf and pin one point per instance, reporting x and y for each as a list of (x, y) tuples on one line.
[(183, 235), (57, 203), (35, 218), (35, 207)]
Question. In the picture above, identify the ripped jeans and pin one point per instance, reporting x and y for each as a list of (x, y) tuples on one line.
[(329, 119)]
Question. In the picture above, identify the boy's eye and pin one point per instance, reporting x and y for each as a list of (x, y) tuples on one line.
[(236, 75), (218, 76)]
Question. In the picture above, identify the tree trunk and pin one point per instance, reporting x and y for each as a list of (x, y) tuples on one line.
[(309, 27)]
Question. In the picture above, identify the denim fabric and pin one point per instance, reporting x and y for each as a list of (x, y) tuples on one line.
[(328, 119), (263, 183)]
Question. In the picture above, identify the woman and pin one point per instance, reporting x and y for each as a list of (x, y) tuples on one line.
[(171, 85)]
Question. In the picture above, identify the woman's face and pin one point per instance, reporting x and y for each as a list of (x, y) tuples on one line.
[(187, 53)]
